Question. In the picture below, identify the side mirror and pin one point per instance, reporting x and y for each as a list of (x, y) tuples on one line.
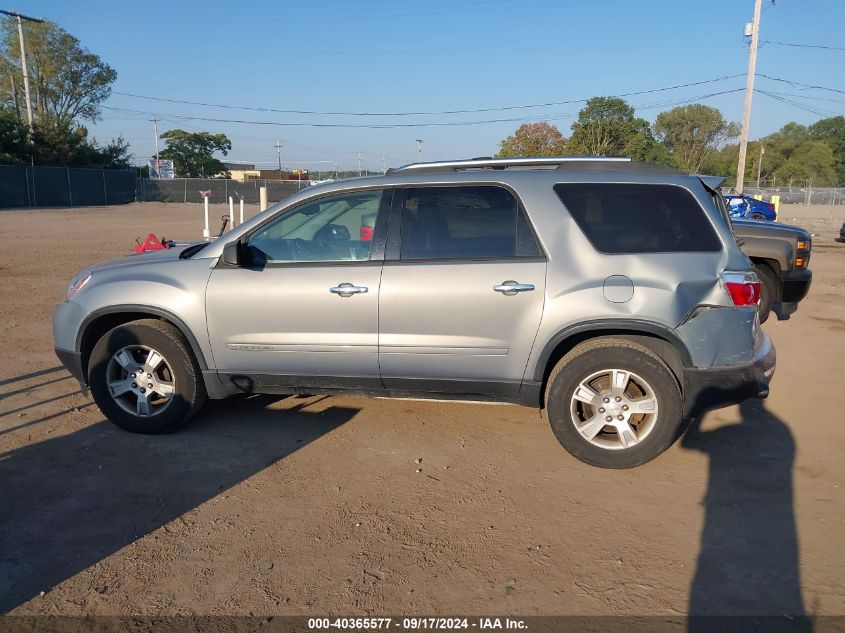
[(232, 253)]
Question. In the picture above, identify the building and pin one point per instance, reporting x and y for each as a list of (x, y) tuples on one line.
[(244, 172)]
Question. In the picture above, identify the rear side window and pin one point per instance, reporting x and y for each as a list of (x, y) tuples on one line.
[(630, 218), (464, 223)]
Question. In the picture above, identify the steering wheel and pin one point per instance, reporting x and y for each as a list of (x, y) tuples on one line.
[(299, 249)]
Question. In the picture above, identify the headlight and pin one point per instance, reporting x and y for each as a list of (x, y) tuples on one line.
[(76, 284)]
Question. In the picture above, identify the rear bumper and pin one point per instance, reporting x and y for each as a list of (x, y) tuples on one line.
[(72, 361), (706, 389)]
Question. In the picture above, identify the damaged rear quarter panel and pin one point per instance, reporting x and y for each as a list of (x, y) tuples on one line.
[(720, 336)]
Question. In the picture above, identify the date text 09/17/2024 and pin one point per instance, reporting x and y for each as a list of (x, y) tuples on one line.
[(416, 623)]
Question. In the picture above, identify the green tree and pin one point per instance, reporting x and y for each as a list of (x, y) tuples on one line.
[(787, 139), (56, 143), (14, 146), (814, 160), (68, 82), (605, 127), (608, 126), (832, 132), (533, 139), (691, 132), (192, 153)]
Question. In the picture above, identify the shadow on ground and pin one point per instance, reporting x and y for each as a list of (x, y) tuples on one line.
[(67, 503), (748, 563)]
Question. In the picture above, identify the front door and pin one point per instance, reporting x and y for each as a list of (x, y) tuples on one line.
[(302, 310), (462, 295)]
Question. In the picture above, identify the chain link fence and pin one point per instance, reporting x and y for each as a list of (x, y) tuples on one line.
[(799, 195), (35, 186), (188, 189), (23, 186)]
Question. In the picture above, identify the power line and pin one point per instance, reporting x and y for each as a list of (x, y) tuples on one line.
[(801, 106), (792, 45), (799, 84), (795, 96), (434, 113), (388, 126)]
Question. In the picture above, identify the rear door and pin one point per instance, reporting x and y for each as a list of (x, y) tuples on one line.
[(462, 291)]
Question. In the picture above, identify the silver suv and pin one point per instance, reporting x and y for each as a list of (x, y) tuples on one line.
[(611, 294)]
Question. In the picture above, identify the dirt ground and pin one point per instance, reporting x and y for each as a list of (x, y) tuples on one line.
[(318, 506)]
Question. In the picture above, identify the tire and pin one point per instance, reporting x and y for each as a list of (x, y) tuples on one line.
[(757, 216), (769, 290), (644, 436), (177, 388)]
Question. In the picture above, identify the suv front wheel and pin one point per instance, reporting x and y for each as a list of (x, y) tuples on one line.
[(144, 377), (613, 403)]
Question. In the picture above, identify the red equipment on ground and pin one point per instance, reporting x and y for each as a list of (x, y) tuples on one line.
[(152, 243)]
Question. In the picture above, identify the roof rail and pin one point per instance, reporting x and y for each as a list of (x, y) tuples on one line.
[(502, 163)]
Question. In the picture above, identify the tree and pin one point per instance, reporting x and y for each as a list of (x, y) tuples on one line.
[(533, 139), (812, 159), (608, 126), (605, 126), (57, 143), (792, 157), (693, 131), (192, 153), (68, 82), (832, 132), (14, 146)]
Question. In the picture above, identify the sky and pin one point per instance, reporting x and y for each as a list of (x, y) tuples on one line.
[(436, 56)]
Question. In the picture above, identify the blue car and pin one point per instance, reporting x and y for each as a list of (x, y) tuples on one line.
[(751, 208)]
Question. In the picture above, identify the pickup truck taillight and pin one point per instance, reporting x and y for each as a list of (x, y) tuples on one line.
[(743, 288)]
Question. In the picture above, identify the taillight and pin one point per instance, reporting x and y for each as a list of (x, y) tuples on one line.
[(366, 233), (744, 288)]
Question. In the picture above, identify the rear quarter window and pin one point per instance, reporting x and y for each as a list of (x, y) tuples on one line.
[(639, 218)]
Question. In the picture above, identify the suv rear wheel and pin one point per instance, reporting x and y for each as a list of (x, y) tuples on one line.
[(144, 378), (613, 403)]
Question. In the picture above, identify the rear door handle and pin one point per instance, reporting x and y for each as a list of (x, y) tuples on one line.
[(511, 287), (347, 290)]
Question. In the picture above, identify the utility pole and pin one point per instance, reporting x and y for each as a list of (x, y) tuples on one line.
[(23, 60), (760, 163), (359, 163), (419, 149), (278, 147), (158, 163), (15, 95), (749, 91), (383, 165)]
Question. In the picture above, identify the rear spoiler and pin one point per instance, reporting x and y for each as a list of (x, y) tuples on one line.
[(712, 183)]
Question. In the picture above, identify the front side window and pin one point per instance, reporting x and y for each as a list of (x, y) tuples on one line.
[(634, 218), (473, 222), (332, 229)]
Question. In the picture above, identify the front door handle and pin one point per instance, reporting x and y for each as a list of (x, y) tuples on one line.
[(347, 290), (510, 287)]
